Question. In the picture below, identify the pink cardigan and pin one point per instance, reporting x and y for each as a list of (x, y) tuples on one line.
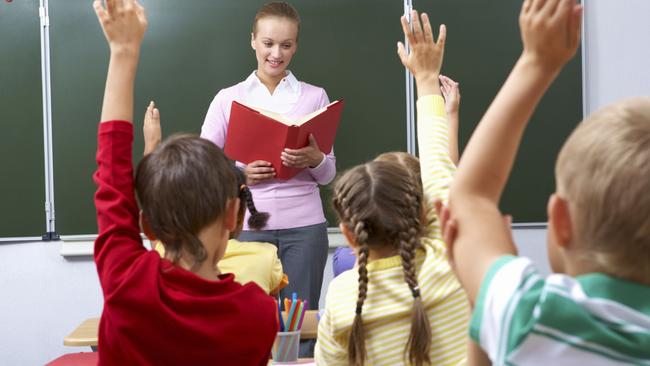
[(291, 203)]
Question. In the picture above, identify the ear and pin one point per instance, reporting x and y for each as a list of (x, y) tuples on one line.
[(559, 218), (146, 228), (349, 235), (252, 41), (231, 215)]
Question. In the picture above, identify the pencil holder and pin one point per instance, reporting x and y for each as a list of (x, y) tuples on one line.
[(285, 347)]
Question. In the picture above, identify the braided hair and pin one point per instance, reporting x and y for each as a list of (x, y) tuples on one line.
[(381, 203), (257, 220)]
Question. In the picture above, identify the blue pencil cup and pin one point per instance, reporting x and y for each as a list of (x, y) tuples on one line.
[(285, 347)]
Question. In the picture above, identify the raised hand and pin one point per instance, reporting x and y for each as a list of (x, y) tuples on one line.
[(308, 156), (123, 22), (426, 55), (151, 128), (451, 93), (550, 31)]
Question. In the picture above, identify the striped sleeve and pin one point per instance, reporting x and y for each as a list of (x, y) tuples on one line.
[(504, 307), (328, 351), (436, 166)]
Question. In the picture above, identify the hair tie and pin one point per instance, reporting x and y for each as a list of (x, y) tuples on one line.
[(416, 291), (242, 187), (358, 309)]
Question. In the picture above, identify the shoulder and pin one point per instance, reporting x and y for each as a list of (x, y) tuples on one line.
[(312, 91), (230, 93), (235, 245)]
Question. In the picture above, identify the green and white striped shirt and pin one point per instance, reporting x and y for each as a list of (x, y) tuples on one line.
[(594, 319)]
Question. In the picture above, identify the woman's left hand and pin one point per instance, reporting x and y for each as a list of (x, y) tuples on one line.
[(308, 156)]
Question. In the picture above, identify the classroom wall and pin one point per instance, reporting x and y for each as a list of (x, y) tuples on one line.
[(617, 51)]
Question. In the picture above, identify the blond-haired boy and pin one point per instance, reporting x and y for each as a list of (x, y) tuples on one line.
[(597, 311)]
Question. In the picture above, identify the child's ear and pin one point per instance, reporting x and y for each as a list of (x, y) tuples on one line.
[(146, 228), (559, 218), (349, 235), (232, 214), (252, 41)]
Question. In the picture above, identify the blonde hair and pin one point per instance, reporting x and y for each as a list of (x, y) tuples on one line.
[(603, 171), (279, 9), (380, 202)]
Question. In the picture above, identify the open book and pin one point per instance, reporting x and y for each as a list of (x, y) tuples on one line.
[(262, 135)]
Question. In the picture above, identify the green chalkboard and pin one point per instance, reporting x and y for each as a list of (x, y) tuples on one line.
[(22, 183), (193, 48), (483, 44)]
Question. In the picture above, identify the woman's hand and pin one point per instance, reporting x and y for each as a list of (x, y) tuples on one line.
[(308, 156), (258, 171)]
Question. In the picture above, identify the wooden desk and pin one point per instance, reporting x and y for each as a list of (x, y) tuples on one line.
[(86, 333)]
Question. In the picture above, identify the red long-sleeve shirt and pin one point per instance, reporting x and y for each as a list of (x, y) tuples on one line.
[(155, 312)]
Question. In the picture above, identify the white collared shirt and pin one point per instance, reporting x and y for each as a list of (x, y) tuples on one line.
[(284, 97)]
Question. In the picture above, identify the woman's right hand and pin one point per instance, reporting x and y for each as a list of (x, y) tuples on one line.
[(258, 171)]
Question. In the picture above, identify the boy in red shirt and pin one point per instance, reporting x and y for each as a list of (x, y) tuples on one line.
[(156, 311)]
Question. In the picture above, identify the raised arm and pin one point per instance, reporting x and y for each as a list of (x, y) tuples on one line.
[(124, 24), (451, 92), (550, 34), (425, 61)]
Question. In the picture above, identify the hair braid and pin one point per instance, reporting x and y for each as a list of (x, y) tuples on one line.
[(257, 220), (419, 342), (357, 342)]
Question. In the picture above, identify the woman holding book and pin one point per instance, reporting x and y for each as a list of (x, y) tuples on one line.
[(297, 223)]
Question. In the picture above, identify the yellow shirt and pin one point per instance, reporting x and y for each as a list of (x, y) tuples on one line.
[(389, 302), (249, 262)]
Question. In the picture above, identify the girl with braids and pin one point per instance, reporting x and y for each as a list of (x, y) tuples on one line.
[(248, 261), (403, 305)]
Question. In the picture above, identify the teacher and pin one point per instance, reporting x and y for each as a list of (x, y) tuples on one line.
[(297, 224)]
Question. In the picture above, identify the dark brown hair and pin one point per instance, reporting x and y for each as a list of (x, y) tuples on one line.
[(278, 9), (381, 203), (257, 220), (183, 186)]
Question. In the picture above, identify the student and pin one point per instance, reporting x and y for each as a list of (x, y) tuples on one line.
[(403, 305), (248, 261), (157, 311), (344, 258), (596, 309), (297, 225)]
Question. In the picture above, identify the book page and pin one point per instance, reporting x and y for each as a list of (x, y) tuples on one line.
[(287, 121)]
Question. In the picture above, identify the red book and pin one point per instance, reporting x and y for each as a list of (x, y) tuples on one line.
[(261, 135)]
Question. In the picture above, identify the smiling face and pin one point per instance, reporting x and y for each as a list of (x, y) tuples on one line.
[(275, 42)]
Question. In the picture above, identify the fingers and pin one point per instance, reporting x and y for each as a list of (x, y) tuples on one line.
[(258, 171), (417, 27), (442, 37), (312, 141), (102, 15), (428, 32), (449, 234), (575, 25), (407, 30), (526, 6), (401, 52), (111, 7)]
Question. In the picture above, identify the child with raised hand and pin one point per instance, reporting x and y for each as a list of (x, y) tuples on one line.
[(157, 311), (596, 309), (403, 304), (344, 258), (248, 261)]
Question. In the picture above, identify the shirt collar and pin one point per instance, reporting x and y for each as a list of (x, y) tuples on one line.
[(252, 81)]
